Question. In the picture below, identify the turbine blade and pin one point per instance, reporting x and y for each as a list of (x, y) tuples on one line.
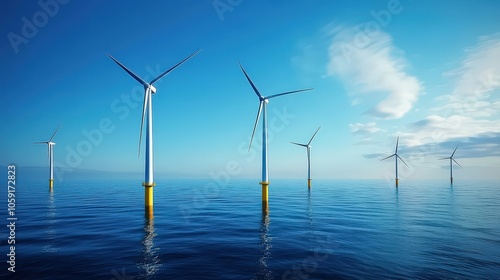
[(255, 125), (177, 65), (251, 83), (445, 158), (403, 161), (303, 145), (146, 97), (288, 92), (41, 142), (55, 133), (397, 143), (457, 163), (454, 152), (313, 136), (137, 78), (388, 157)]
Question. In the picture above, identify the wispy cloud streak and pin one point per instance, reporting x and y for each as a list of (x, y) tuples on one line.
[(375, 66)]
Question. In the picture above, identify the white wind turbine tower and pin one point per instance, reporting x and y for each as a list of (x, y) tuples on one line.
[(50, 146), (396, 157), (451, 164), (263, 101), (149, 89), (308, 147)]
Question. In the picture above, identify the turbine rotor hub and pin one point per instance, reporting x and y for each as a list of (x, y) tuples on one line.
[(152, 88)]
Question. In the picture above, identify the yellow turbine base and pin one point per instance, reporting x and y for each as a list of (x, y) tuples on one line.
[(148, 195), (148, 199), (51, 184), (397, 182), (265, 192), (265, 207), (309, 183), (148, 212)]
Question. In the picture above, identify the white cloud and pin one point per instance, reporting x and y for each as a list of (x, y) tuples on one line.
[(472, 109), (368, 128), (366, 131), (479, 73), (369, 63), (436, 129), (476, 82), (468, 115), (355, 102)]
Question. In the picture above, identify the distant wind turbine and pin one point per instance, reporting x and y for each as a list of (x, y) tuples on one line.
[(149, 89), (308, 147), (263, 101), (396, 157), (451, 164), (50, 146)]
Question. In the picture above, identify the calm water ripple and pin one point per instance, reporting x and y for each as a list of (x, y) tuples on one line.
[(340, 229)]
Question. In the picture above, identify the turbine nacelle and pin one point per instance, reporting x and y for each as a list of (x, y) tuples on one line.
[(308, 149), (396, 154), (150, 87), (308, 145), (50, 140), (263, 99), (50, 155), (302, 145), (452, 159)]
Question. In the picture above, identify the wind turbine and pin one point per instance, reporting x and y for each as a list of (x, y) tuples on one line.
[(50, 146), (308, 147), (451, 164), (263, 101), (396, 157), (149, 89)]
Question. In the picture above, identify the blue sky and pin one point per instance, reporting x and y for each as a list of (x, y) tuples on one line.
[(425, 71)]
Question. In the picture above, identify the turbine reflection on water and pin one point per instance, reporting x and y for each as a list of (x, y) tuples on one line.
[(151, 262), (310, 215), (50, 228), (265, 242)]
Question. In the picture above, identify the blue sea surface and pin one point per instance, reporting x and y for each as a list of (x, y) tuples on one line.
[(202, 229)]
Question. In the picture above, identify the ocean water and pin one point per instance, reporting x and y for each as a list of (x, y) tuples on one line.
[(340, 229)]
